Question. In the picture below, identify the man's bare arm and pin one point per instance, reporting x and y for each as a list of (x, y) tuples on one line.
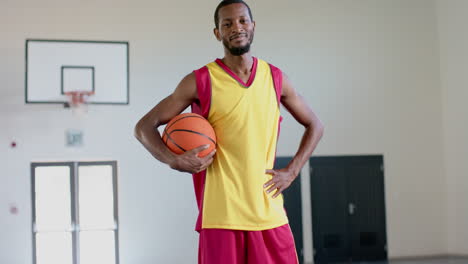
[(303, 114), (147, 133)]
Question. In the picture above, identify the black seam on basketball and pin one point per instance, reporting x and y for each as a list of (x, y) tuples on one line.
[(187, 116), (191, 131), (173, 142), (166, 134)]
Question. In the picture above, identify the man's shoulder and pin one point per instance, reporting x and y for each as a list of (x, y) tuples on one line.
[(272, 66), (205, 65)]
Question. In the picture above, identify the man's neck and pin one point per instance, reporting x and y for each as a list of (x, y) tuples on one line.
[(239, 64)]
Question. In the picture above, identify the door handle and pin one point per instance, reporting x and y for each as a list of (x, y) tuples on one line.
[(351, 208)]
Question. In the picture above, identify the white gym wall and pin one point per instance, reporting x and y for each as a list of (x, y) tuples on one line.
[(369, 68)]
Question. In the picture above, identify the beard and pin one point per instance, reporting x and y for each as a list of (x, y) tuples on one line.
[(238, 51)]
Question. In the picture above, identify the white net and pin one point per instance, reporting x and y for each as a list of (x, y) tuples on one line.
[(78, 102)]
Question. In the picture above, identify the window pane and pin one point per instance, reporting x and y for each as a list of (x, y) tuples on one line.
[(52, 193), (96, 200), (55, 247), (97, 247)]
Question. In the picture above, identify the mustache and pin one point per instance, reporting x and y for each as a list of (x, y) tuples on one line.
[(238, 35)]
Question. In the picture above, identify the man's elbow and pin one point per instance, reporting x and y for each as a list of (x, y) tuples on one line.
[(138, 131), (317, 126), (144, 128), (321, 128)]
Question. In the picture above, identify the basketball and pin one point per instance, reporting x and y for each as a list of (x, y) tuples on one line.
[(188, 131)]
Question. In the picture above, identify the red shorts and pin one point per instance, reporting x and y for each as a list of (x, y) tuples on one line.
[(224, 246)]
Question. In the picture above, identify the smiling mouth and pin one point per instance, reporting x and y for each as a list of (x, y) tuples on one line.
[(238, 36)]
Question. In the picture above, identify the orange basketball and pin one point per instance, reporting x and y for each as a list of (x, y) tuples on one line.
[(188, 131)]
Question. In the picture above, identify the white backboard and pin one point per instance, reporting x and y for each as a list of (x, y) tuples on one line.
[(54, 67)]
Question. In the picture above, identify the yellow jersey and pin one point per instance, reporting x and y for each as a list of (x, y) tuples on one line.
[(246, 119)]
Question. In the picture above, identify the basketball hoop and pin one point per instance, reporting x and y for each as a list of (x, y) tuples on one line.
[(77, 101)]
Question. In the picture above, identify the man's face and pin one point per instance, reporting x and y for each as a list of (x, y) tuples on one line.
[(235, 29)]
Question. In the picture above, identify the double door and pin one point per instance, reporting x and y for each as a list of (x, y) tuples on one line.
[(348, 209)]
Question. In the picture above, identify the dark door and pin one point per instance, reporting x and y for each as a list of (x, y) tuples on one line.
[(329, 212), (348, 208), (366, 209), (293, 206)]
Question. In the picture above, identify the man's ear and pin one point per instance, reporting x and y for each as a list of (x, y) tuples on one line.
[(216, 33)]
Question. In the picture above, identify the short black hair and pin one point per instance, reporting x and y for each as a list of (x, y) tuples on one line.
[(228, 2)]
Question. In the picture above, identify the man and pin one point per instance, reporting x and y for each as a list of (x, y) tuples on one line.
[(242, 218)]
